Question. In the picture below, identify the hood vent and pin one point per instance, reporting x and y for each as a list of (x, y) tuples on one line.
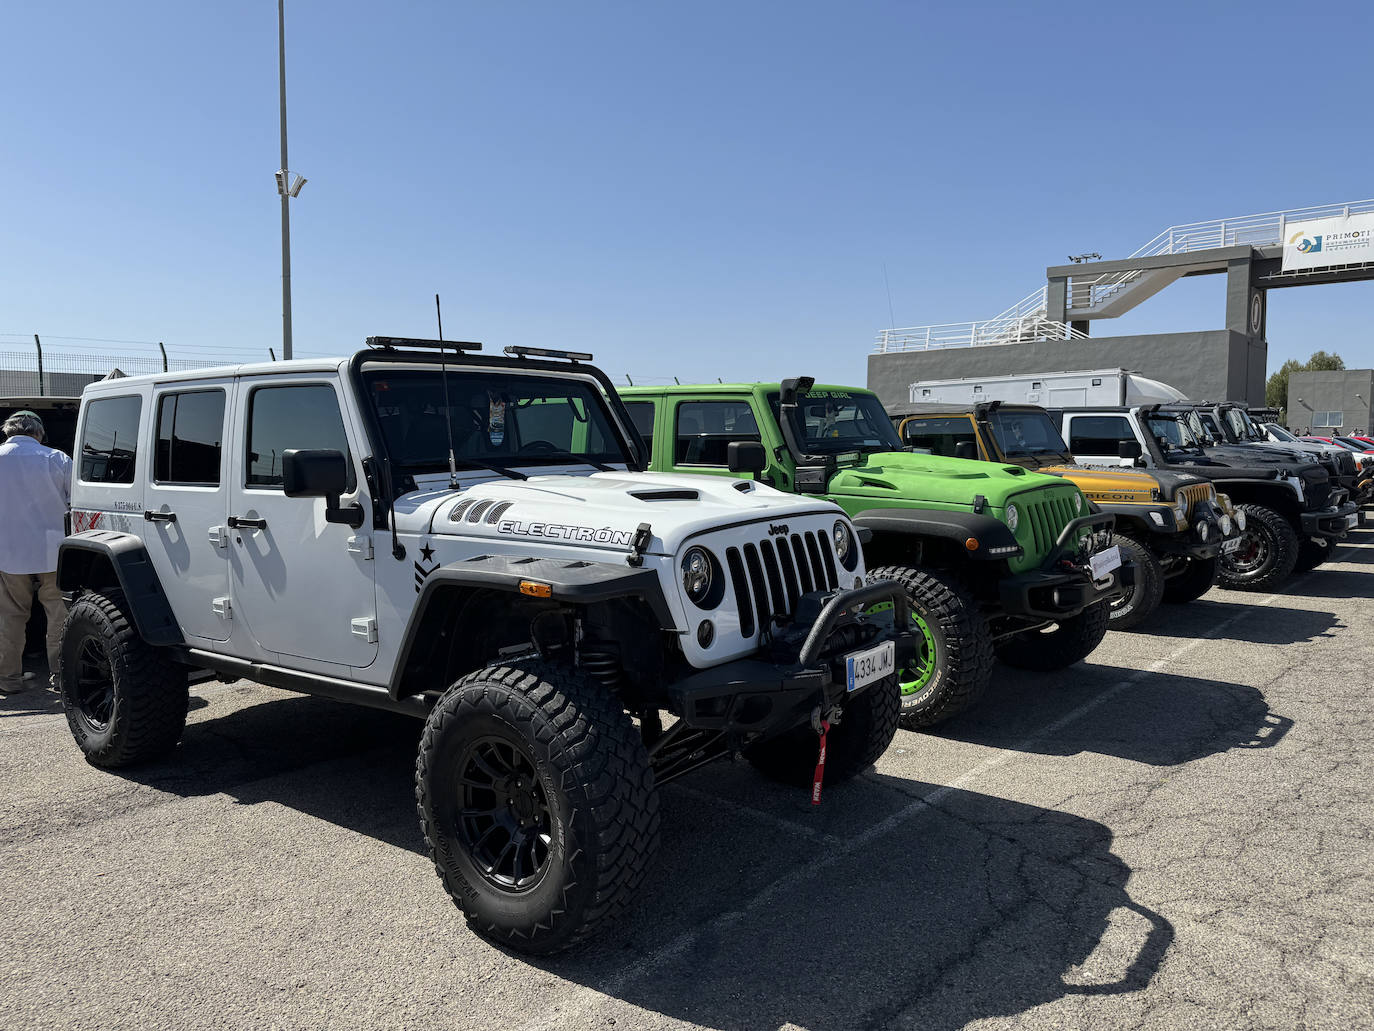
[(667, 494)]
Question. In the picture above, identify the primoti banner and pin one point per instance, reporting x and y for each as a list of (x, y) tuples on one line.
[(1318, 242)]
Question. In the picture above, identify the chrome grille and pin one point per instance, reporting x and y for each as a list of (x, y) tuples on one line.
[(1047, 518), (1195, 494), (770, 576)]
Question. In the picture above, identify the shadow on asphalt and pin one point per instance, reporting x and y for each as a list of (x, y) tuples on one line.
[(1161, 719), (971, 906), (1270, 624)]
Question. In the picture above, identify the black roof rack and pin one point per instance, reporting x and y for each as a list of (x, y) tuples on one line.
[(520, 351), (392, 343)]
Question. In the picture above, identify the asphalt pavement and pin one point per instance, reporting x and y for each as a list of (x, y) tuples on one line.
[(1175, 834)]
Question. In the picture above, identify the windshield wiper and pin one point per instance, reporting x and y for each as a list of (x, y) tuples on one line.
[(513, 474), (568, 456)]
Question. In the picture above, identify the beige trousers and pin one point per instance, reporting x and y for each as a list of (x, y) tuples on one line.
[(17, 591)]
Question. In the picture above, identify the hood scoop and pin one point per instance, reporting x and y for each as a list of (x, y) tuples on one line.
[(474, 509), (667, 494)]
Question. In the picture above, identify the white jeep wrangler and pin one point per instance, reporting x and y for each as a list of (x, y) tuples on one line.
[(467, 538)]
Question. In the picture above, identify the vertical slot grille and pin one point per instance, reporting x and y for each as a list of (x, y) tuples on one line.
[(781, 602), (832, 573), (742, 601), (769, 577), (803, 565), (760, 589)]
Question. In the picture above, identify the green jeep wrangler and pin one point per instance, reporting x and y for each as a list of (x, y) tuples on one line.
[(995, 559)]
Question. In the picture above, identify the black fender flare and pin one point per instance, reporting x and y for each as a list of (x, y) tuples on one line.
[(572, 582), (952, 526), (134, 574)]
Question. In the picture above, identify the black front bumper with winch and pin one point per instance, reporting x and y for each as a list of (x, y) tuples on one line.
[(801, 668)]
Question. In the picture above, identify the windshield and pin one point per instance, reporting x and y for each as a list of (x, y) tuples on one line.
[(828, 422), (1171, 431), (1279, 431), (1240, 425), (1026, 433), (499, 418), (1353, 445), (1205, 427)]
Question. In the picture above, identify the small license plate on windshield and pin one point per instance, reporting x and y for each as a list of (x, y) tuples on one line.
[(1105, 561), (1231, 546), (863, 668)]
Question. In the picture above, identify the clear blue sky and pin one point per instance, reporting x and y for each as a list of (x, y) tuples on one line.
[(695, 189)]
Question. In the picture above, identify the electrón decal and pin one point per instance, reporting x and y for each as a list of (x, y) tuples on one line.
[(560, 532)]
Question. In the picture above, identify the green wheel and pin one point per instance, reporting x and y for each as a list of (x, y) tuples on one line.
[(953, 658)]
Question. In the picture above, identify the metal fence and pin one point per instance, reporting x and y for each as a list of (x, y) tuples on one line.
[(31, 374)]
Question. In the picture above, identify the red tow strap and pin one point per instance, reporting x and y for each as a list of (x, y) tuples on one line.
[(820, 766)]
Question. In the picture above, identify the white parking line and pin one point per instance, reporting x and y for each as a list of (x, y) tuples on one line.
[(657, 958)]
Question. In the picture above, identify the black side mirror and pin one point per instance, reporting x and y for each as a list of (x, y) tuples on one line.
[(320, 473), (1128, 449), (746, 456), (966, 449)]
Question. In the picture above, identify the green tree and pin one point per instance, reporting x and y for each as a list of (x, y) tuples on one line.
[(1323, 362), (1276, 390)]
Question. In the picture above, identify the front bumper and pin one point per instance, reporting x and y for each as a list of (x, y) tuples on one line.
[(1331, 523), (1191, 542), (1063, 586), (804, 667)]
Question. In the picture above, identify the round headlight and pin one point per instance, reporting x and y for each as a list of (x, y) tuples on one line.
[(1225, 524), (1240, 520), (845, 550), (1181, 508), (1077, 503), (1204, 530), (696, 574), (1013, 517)]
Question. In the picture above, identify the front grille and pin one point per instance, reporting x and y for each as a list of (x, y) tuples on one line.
[(1047, 518), (1346, 461), (1195, 494), (771, 575), (1318, 494)]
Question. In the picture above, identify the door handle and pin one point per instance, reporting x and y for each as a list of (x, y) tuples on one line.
[(235, 522), (159, 517)]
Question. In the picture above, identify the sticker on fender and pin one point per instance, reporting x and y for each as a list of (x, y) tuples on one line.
[(1105, 561), (1230, 547), (862, 668)]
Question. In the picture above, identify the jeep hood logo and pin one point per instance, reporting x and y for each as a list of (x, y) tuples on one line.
[(561, 532), (777, 529)]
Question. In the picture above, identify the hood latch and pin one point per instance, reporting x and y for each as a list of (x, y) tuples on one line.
[(644, 533)]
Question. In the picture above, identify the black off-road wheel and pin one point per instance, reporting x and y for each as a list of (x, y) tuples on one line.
[(953, 661), (1267, 554), (1312, 553), (538, 804), (867, 726), (1198, 577), (125, 700), (1139, 600), (1058, 646)]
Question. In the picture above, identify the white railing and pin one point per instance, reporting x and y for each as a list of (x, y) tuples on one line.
[(1001, 330), (1027, 319), (1255, 230)]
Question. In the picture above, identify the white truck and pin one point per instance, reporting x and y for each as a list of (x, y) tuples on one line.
[(1049, 389), (466, 538)]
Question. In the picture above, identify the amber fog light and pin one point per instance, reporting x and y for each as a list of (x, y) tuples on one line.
[(706, 633)]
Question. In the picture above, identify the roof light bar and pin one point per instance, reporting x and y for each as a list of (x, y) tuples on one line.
[(520, 351), (391, 343)]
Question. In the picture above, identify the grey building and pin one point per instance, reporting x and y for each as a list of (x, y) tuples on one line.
[(1327, 403)]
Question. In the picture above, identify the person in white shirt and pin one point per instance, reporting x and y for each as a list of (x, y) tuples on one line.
[(35, 494)]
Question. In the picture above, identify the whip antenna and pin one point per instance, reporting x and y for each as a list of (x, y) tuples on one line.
[(448, 410)]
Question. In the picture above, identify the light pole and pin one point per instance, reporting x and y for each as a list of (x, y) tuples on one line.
[(286, 187)]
